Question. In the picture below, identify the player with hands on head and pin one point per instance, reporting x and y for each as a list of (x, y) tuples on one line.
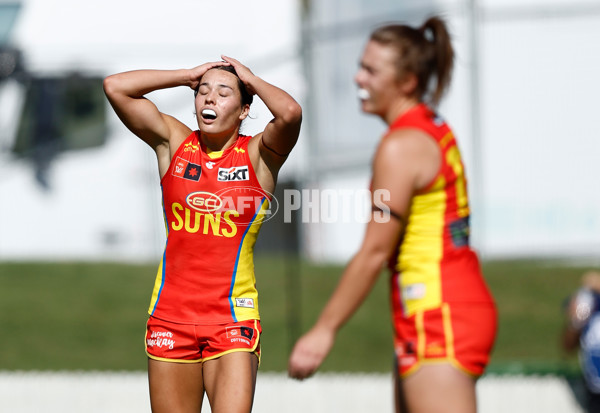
[(203, 330), (444, 316)]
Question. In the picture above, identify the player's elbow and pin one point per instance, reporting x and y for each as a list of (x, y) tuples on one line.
[(292, 114), (109, 85)]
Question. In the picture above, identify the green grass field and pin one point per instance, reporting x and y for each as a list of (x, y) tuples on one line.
[(84, 316)]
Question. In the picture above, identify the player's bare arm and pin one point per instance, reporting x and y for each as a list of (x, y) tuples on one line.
[(281, 134), (398, 172), (126, 93)]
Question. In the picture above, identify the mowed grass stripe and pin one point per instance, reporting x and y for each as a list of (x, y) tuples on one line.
[(91, 316)]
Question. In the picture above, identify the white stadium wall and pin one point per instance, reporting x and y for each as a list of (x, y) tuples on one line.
[(104, 203), (522, 105)]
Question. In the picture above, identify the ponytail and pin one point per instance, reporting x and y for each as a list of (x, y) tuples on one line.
[(434, 32), (425, 52)]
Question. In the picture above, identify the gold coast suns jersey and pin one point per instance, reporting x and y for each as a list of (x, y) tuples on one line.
[(434, 263), (213, 209)]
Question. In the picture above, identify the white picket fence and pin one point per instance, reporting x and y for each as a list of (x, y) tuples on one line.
[(66, 392)]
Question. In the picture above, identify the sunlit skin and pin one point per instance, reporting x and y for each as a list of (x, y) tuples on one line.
[(229, 380), (405, 162), (390, 93), (218, 91)]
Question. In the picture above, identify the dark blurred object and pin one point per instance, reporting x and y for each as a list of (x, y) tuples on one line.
[(11, 63), (59, 114)]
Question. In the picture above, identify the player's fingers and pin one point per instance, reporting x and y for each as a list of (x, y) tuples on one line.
[(302, 364), (300, 372), (229, 59)]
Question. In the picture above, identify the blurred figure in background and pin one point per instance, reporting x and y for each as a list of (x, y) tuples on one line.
[(582, 331), (443, 313), (203, 333)]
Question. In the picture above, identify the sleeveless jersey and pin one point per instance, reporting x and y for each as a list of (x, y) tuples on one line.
[(589, 340), (213, 210), (433, 263)]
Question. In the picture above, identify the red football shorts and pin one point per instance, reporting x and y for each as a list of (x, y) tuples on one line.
[(195, 343), (460, 334)]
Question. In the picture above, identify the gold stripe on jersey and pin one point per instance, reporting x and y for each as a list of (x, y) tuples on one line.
[(158, 284), (214, 154), (455, 162), (243, 282), (421, 252), (448, 331), (159, 280)]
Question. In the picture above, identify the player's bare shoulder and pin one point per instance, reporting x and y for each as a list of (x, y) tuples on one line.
[(166, 148), (177, 132), (408, 143), (410, 151)]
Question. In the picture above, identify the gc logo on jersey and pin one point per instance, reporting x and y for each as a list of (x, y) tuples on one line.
[(204, 201), (235, 173)]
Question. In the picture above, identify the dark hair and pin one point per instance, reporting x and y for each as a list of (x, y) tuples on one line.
[(425, 51), (247, 97)]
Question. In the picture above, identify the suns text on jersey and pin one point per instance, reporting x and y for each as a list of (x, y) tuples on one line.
[(219, 224)]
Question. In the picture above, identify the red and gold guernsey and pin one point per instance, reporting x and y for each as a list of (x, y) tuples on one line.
[(434, 263), (213, 207)]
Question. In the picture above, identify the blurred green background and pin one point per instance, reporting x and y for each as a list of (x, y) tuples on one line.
[(91, 316)]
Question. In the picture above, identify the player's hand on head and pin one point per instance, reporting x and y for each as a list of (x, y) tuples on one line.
[(243, 72), (309, 353), (197, 72)]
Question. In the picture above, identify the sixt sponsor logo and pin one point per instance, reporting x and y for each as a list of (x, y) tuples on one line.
[(236, 173)]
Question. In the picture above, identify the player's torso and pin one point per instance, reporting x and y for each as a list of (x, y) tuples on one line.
[(213, 209), (433, 262)]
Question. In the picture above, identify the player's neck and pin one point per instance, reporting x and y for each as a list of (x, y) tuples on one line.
[(398, 108), (220, 142)]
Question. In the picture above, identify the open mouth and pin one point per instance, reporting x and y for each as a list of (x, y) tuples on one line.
[(363, 94), (208, 114)]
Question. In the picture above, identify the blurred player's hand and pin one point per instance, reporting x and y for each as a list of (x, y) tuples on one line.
[(591, 280), (309, 352)]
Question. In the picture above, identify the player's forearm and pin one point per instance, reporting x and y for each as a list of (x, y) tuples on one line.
[(282, 106), (354, 286), (137, 83)]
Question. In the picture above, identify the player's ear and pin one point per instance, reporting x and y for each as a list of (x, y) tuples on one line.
[(409, 83), (245, 111)]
